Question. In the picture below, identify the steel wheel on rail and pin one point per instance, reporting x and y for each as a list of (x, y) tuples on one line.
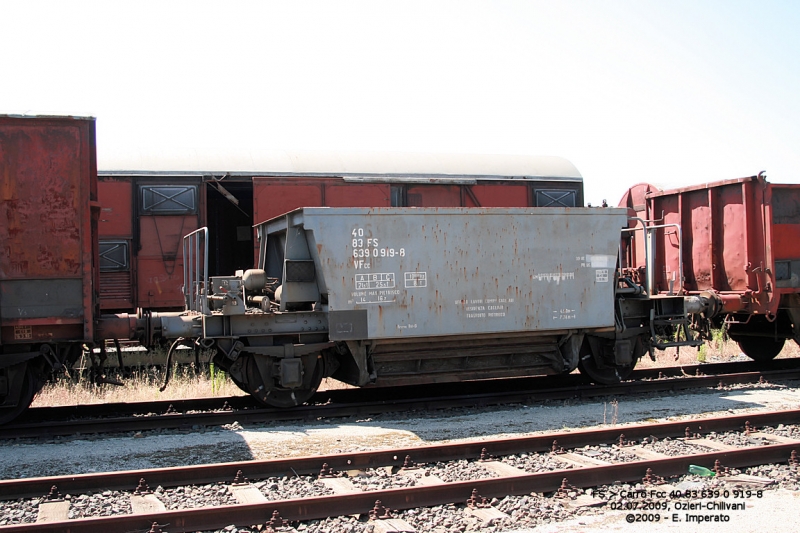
[(235, 372), (269, 392), (221, 363), (26, 388), (761, 349), (605, 372), (242, 386)]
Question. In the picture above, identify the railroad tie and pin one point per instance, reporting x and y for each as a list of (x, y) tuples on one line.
[(644, 453), (479, 507), (339, 485), (777, 439), (247, 493), (392, 525), (580, 461), (412, 470), (146, 503), (714, 445), (53, 507), (57, 511), (383, 522), (487, 515), (747, 480), (503, 469), (420, 479)]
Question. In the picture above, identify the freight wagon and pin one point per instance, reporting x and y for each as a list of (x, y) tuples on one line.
[(48, 250), (733, 243), (393, 296)]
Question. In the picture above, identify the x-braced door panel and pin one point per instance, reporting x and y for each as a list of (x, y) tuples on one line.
[(166, 214)]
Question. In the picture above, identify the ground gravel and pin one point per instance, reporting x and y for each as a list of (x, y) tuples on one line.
[(462, 470), (608, 453), (539, 513), (293, 487), (192, 496), (675, 447), (536, 462)]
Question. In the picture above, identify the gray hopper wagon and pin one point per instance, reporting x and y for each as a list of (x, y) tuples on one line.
[(397, 296)]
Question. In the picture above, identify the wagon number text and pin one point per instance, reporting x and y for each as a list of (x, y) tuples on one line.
[(365, 247)]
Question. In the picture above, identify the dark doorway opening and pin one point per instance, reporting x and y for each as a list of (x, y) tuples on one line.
[(230, 226)]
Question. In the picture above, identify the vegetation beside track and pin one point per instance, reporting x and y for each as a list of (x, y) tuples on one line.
[(137, 385)]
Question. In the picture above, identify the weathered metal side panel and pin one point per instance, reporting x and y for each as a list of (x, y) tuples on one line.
[(739, 239), (435, 196), (116, 243), (274, 196), (166, 210), (116, 213), (424, 272), (785, 218), (723, 226), (48, 209)]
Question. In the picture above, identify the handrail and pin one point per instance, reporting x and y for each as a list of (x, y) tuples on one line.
[(680, 252), (650, 261), (647, 266), (195, 274)]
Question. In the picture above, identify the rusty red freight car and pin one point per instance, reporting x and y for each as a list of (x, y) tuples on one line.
[(734, 243), (146, 213), (142, 224), (48, 208)]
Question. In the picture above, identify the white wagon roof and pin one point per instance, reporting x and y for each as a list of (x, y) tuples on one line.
[(365, 164)]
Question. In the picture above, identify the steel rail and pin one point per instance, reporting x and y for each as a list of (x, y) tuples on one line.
[(206, 518), (314, 412), (212, 473)]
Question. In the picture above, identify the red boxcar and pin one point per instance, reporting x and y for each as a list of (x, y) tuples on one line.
[(146, 213), (142, 224), (735, 241), (48, 204), (48, 253)]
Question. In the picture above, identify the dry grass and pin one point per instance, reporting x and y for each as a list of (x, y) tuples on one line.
[(712, 352), (142, 386)]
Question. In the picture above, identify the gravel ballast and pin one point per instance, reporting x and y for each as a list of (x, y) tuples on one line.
[(82, 454)]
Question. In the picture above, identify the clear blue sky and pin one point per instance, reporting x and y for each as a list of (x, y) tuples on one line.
[(670, 92)]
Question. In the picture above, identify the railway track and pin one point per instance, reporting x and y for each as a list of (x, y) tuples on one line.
[(108, 418), (559, 465), (367, 394)]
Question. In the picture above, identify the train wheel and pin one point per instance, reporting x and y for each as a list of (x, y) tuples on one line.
[(239, 384), (235, 373), (761, 349), (607, 374), (269, 393), (24, 390), (219, 363)]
